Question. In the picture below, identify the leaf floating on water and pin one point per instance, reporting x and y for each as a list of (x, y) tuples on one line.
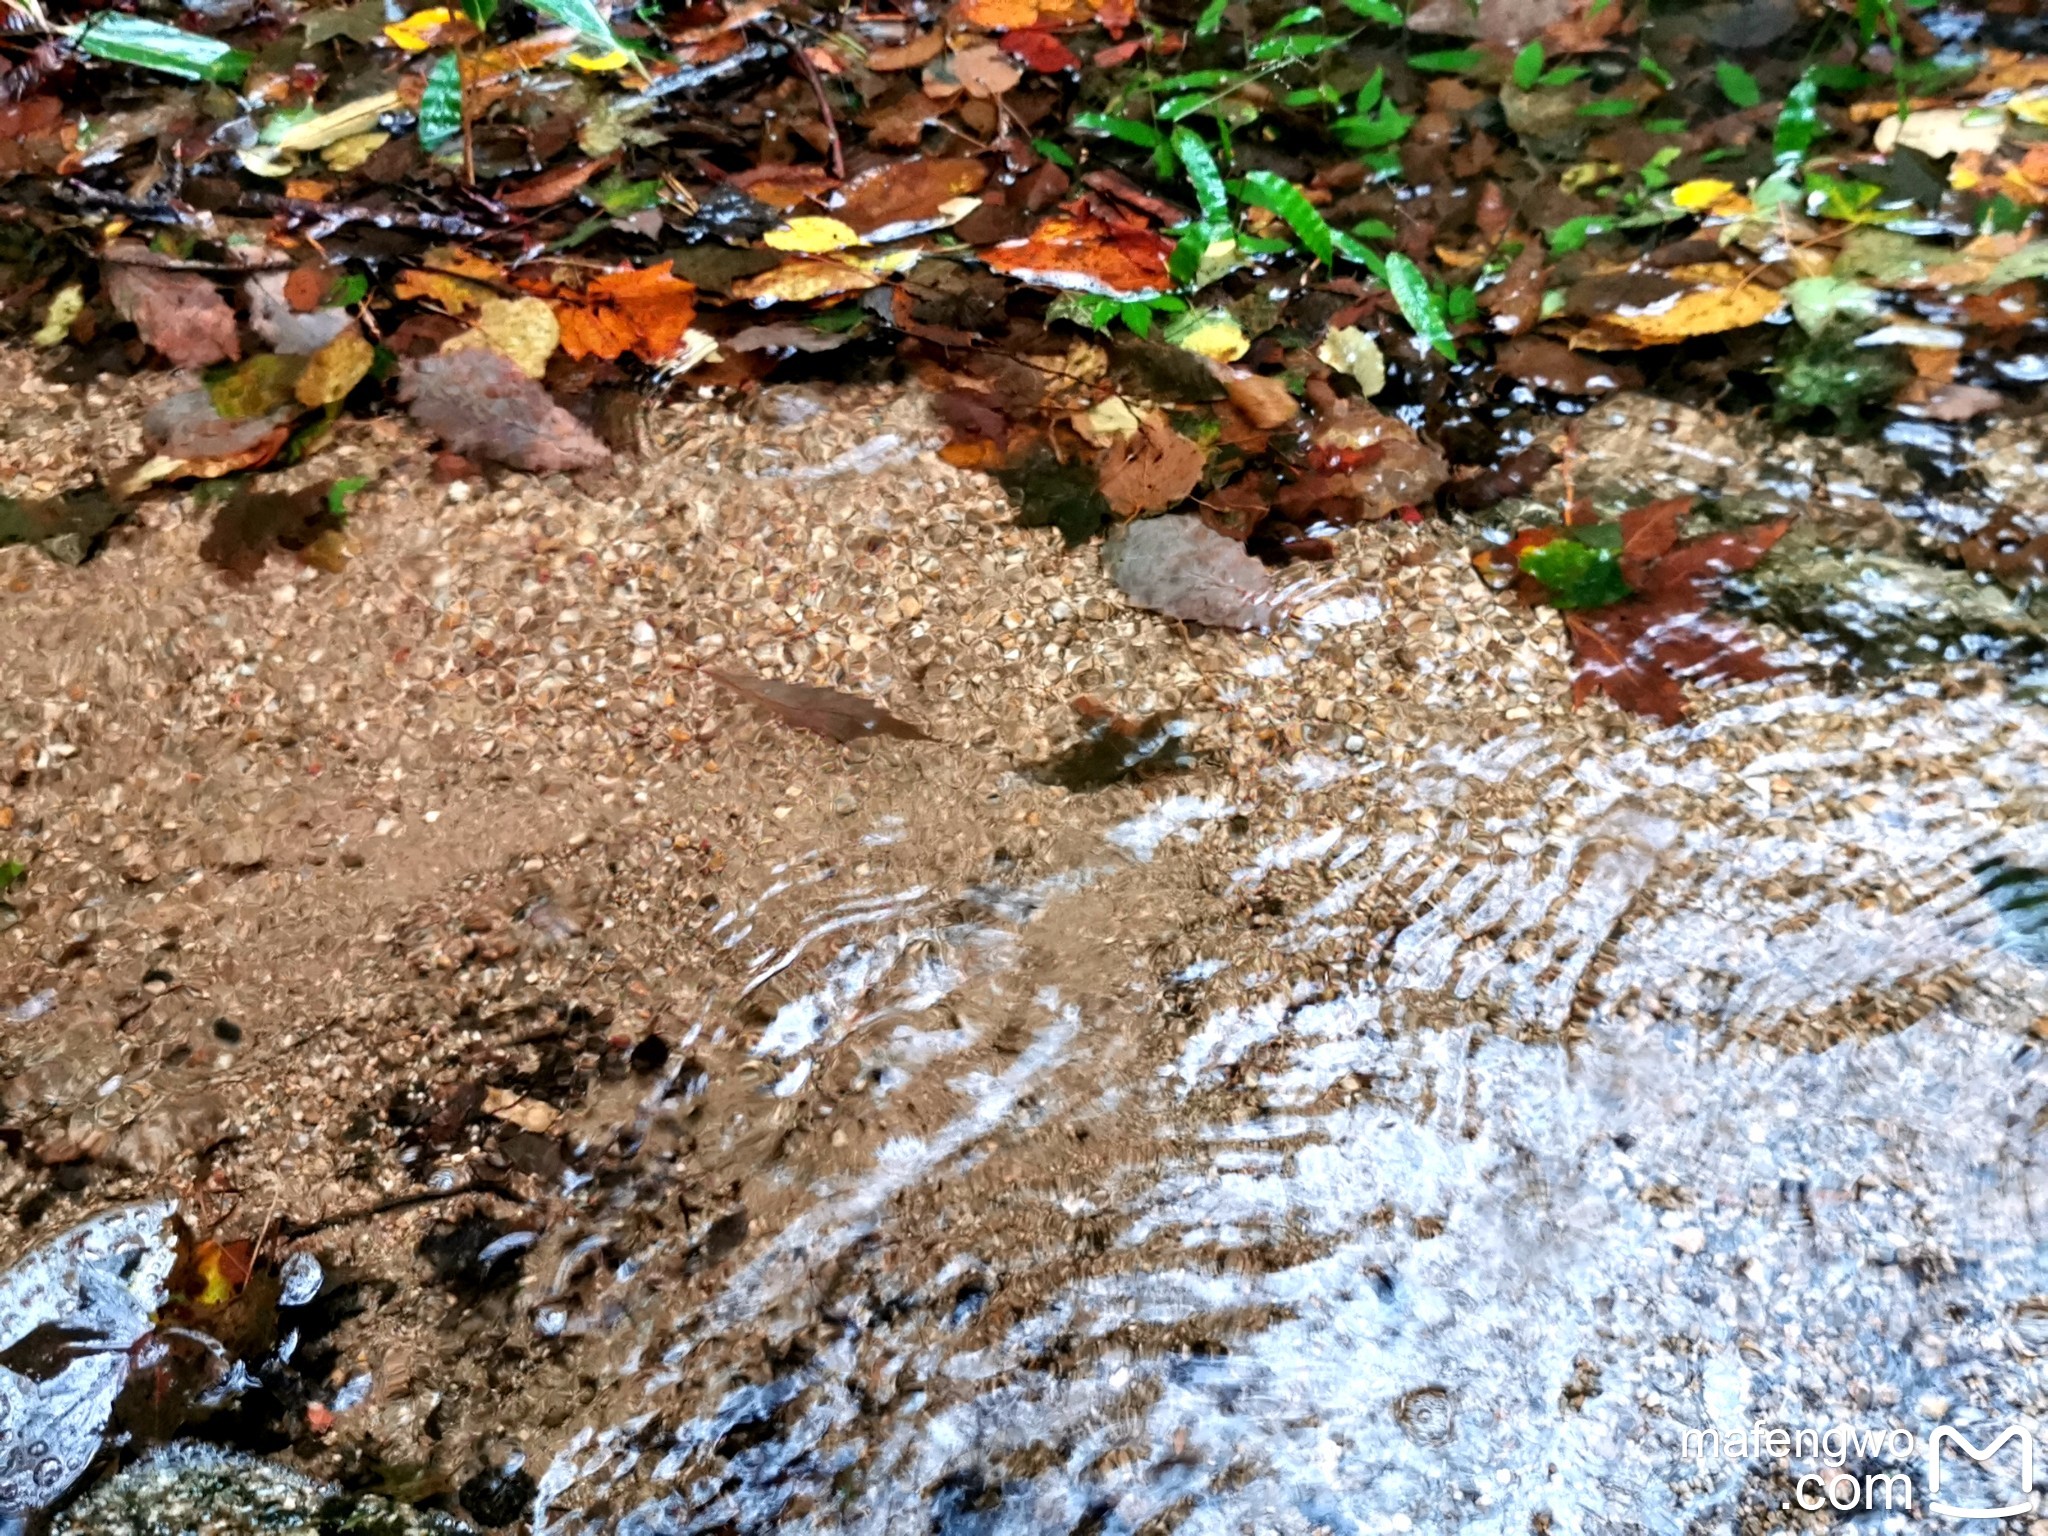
[(842, 716)]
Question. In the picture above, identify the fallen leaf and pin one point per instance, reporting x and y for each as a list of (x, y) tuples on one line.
[(1150, 470), (842, 716), (1351, 351), (1264, 399), (256, 386), (915, 54), (805, 279), (65, 308), (335, 369), (997, 15), (1552, 365), (434, 27), (479, 403), (1714, 297), (789, 336), (525, 330), (1040, 50), (899, 198), (1181, 567), (983, 71), (190, 439), (1942, 131), (516, 1109), (453, 293), (67, 528), (811, 236), (1107, 422), (1086, 254), (644, 311), (552, 187), (281, 323), (180, 314)]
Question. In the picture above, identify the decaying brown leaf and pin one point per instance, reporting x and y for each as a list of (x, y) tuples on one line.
[(1150, 470), (479, 403), (181, 314), (842, 716)]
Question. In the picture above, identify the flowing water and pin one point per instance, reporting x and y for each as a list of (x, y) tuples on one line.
[(1459, 1123)]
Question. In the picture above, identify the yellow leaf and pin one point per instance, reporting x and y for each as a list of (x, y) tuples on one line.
[(811, 236), (64, 309), (1105, 423), (525, 330), (1212, 335), (796, 282), (319, 132), (454, 294), (1350, 350), (417, 33), (335, 369), (600, 63), (345, 155), (1696, 196), (1719, 299)]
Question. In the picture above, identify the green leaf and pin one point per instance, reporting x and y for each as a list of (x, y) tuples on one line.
[(1144, 135), (1563, 75), (479, 13), (619, 197), (1420, 305), (1369, 94), (1199, 80), (589, 17), (1529, 66), (339, 492), (348, 290), (1610, 106), (1351, 248), (1576, 574), (1054, 153), (1799, 121), (1573, 234), (1267, 190), (1295, 45), (1200, 166), (1374, 229), (1184, 106), (1388, 126), (1312, 96), (1211, 19), (1656, 71), (1448, 61), (441, 104), (168, 50), (1738, 84), (1139, 318), (1381, 11), (1298, 18), (11, 871)]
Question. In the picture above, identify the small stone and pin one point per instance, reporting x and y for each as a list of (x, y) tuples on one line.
[(1932, 1406), (242, 850), (1689, 1240)]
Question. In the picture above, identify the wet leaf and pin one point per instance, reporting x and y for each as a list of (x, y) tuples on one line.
[(1082, 252), (1575, 573), (263, 384), (900, 198), (479, 403), (525, 330), (1053, 493), (587, 17), (1552, 365), (1180, 567), (646, 312), (335, 369), (843, 717), (1715, 297), (1150, 470), (169, 50), (1350, 351), (180, 314), (1737, 84)]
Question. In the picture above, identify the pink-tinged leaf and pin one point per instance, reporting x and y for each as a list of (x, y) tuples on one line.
[(479, 403), (180, 314), (842, 716)]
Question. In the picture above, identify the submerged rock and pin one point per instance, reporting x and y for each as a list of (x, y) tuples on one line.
[(188, 1489)]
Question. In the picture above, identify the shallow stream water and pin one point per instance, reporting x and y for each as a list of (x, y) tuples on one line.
[(1465, 1121)]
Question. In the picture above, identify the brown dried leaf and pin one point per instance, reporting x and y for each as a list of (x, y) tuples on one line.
[(1262, 398), (842, 716), (1152, 469), (984, 72), (252, 523), (905, 194), (480, 403), (181, 314), (915, 54), (1551, 365)]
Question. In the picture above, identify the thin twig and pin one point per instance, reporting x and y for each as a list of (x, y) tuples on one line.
[(298, 1229), (810, 70)]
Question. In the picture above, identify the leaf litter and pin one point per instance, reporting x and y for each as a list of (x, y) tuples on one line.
[(1322, 258)]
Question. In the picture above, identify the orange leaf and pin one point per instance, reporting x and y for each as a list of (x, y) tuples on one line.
[(1083, 252), (644, 311), (997, 15)]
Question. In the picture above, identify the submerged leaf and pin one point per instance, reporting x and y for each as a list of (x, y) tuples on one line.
[(1181, 567), (480, 403), (842, 716), (1117, 748), (180, 314)]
